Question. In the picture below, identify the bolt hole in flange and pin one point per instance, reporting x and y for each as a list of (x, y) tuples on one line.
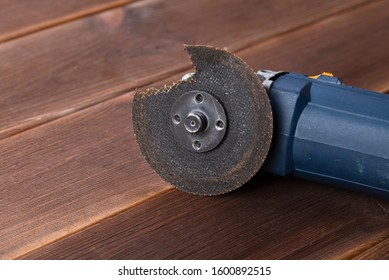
[(199, 98), (199, 122), (176, 119), (196, 145), (219, 125)]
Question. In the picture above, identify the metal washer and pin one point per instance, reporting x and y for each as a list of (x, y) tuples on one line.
[(198, 121)]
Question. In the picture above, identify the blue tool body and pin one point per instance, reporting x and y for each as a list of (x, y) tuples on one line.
[(329, 132)]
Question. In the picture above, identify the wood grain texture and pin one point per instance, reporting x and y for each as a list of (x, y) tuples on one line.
[(64, 69), (269, 218), (350, 240), (22, 17), (71, 173), (87, 165), (352, 46), (379, 251)]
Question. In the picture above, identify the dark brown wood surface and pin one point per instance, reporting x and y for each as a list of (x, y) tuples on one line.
[(20, 18), (67, 68), (73, 183)]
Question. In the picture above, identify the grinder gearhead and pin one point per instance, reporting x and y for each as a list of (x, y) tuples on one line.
[(209, 133)]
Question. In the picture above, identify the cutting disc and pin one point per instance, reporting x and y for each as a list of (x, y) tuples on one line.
[(171, 123)]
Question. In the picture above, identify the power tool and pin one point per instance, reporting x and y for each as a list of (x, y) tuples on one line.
[(213, 130)]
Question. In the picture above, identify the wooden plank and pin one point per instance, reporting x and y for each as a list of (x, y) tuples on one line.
[(19, 18), (348, 241), (71, 173), (268, 218), (380, 252), (354, 215), (342, 45), (54, 166), (64, 69)]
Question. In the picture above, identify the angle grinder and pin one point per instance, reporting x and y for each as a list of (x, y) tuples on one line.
[(210, 132)]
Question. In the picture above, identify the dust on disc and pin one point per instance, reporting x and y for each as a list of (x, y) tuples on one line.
[(246, 142)]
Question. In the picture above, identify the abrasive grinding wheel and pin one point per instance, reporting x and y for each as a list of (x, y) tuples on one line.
[(210, 133)]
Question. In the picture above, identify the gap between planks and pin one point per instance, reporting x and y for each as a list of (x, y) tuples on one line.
[(37, 27), (54, 115), (144, 201), (381, 247), (360, 251), (97, 222), (346, 10), (258, 229), (81, 170)]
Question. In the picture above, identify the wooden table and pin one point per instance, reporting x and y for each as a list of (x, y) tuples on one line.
[(73, 183)]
